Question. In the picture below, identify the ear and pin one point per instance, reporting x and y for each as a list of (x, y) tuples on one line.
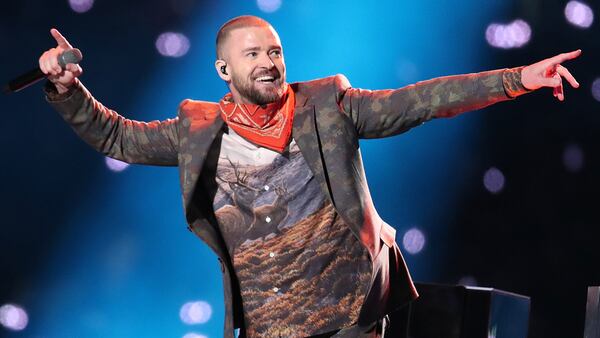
[(220, 63)]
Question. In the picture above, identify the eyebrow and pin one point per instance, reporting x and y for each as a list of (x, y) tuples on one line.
[(251, 49)]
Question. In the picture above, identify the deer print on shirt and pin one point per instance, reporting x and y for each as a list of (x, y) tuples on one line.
[(245, 222)]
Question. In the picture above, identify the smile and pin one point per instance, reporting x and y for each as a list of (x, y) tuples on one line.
[(265, 79)]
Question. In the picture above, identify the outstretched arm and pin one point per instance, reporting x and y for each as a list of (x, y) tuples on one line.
[(382, 113), (105, 130)]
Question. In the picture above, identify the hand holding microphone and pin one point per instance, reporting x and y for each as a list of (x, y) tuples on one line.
[(59, 65)]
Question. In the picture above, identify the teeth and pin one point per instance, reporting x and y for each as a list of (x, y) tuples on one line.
[(265, 78)]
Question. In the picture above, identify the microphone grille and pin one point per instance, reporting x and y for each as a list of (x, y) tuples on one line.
[(69, 56)]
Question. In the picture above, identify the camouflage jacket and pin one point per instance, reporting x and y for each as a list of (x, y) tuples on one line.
[(329, 119)]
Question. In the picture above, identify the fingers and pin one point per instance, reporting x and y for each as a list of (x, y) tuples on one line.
[(564, 72), (553, 81), (53, 61), (560, 58), (48, 62), (558, 91), (60, 39), (75, 69), (42, 63)]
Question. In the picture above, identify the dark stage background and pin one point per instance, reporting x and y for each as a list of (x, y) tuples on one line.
[(506, 197)]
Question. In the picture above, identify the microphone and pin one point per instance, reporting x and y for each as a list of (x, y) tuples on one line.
[(69, 56)]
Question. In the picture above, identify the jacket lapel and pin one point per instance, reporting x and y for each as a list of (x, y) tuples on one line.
[(201, 136), (307, 137)]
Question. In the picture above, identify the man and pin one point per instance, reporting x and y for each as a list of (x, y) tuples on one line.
[(272, 177)]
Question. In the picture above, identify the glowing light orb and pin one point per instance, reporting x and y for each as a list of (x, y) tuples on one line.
[(493, 180), (194, 335), (573, 158), (413, 241), (13, 317), (195, 312), (115, 165), (579, 14), (467, 281), (596, 89), (506, 36), (172, 44), (81, 6), (268, 6)]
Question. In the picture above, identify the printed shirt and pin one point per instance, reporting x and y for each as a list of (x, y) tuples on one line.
[(301, 270)]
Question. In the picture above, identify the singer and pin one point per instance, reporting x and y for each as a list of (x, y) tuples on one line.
[(272, 177)]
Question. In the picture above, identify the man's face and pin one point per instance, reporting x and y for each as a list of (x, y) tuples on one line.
[(255, 61)]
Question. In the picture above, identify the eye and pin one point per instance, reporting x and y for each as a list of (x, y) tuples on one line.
[(276, 52), (252, 54)]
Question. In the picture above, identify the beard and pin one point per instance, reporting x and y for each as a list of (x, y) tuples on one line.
[(258, 93)]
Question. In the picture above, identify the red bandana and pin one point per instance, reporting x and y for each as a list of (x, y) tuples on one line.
[(269, 126)]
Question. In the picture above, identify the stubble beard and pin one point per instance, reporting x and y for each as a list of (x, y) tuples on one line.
[(249, 89)]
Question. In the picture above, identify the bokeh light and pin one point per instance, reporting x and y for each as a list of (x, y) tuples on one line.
[(115, 165), (268, 6), (194, 335), (198, 312), (13, 317), (413, 241), (513, 35), (493, 180), (579, 14), (468, 281), (573, 158), (596, 89), (172, 44), (81, 6)]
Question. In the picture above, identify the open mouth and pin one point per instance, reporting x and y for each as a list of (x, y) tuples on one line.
[(265, 79)]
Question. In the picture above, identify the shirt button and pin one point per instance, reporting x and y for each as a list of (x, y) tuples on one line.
[(268, 219), (266, 188), (272, 254), (275, 289)]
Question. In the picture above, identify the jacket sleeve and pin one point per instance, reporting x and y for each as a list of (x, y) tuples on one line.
[(382, 113), (154, 142)]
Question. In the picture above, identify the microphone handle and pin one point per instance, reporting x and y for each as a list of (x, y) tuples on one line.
[(24, 81), (35, 75)]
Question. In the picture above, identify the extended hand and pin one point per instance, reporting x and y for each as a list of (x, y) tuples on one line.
[(549, 73), (62, 78)]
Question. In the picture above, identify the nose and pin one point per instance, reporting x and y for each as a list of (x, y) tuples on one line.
[(266, 61)]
